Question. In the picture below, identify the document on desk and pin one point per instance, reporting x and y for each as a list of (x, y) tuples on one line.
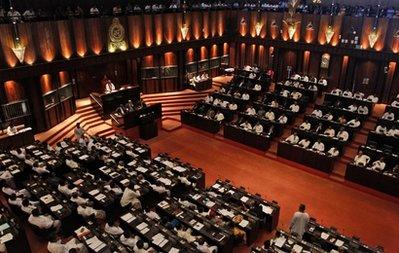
[(163, 204), (165, 181), (179, 169), (132, 163), (125, 181), (83, 157), (244, 223), (279, 242), (297, 248), (244, 199), (142, 225), (339, 243), (198, 226), (216, 186), (56, 208), (142, 169), (5, 238), (324, 235), (267, 209), (158, 238), (210, 204), (4, 227), (174, 250), (47, 199), (100, 197), (94, 192), (163, 243), (78, 182)]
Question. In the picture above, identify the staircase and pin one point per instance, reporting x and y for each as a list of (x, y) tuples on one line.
[(89, 119)]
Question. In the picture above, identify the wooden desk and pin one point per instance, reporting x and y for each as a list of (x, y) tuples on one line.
[(258, 141), (135, 118), (17, 140), (107, 103), (208, 125)]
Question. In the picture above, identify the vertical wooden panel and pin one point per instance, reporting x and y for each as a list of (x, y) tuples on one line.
[(25, 34), (95, 35), (64, 38), (262, 57), (253, 19), (45, 37), (196, 24), (242, 54), (158, 29), (221, 23), (263, 22), (310, 27), (150, 86), (203, 53), (64, 77), (179, 23), (7, 42), (243, 23), (305, 64), (169, 27), (13, 91), (314, 63), (205, 24), (135, 31), (46, 83), (392, 40), (366, 69), (336, 23), (214, 24), (190, 55), (148, 32), (274, 24), (334, 71), (381, 30), (80, 36), (214, 51), (169, 84)]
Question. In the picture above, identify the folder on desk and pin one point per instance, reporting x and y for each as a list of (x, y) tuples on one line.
[(5, 238), (324, 235), (174, 250), (94, 192), (142, 225), (4, 227), (56, 208), (267, 209), (244, 223), (198, 226), (297, 248)]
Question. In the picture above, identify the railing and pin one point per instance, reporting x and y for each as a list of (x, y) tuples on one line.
[(15, 110)]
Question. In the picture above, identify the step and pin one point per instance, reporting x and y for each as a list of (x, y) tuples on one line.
[(171, 101)]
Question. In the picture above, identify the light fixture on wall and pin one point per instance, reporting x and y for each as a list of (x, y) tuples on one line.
[(18, 48), (184, 28), (258, 25), (373, 35), (329, 34), (290, 21)]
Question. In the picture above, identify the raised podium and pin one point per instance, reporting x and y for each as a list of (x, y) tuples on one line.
[(107, 103)]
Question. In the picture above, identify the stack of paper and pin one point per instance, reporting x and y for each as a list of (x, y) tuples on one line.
[(244, 223), (56, 208), (47, 199), (128, 217), (267, 209)]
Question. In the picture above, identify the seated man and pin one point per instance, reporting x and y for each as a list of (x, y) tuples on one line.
[(330, 132), (87, 212), (257, 87), (79, 200), (270, 115), (305, 125), (388, 116), (318, 146), (245, 96), (358, 95), (120, 110), (342, 120), (372, 98), (43, 221), (113, 228), (250, 110), (27, 206), (216, 102), (284, 93), (381, 129), (342, 134), (274, 104), (394, 132), (361, 159), (282, 119), (296, 77), (333, 151), (293, 138), (246, 126), (305, 78), (210, 114), (66, 189), (322, 82), (328, 116), (40, 168), (128, 239), (363, 110), (347, 94), (294, 107), (130, 197), (336, 92), (395, 103), (219, 116), (351, 108), (378, 165), (203, 246), (354, 123), (208, 99), (224, 104), (296, 95), (319, 128), (233, 106), (317, 113), (258, 128), (237, 94), (304, 143)]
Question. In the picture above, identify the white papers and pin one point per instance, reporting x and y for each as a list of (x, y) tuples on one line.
[(78, 182), (279, 242), (210, 204), (267, 209), (56, 208), (244, 223), (83, 157), (132, 163), (339, 243), (5, 238), (145, 230), (142, 169), (163, 204), (4, 227), (216, 186), (141, 226), (125, 181), (179, 169), (198, 226), (174, 250), (47, 199), (100, 197), (94, 192), (197, 196), (297, 248), (244, 199), (158, 238), (324, 235), (165, 181)]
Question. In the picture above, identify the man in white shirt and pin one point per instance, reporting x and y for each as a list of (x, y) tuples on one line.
[(294, 107), (393, 132), (219, 117), (372, 98), (113, 228), (355, 123), (270, 115), (333, 151), (250, 110), (274, 104), (342, 134), (245, 96), (358, 95), (203, 246), (246, 126), (27, 207), (361, 159), (351, 108), (330, 132), (318, 146), (233, 106), (293, 138), (216, 102), (79, 200), (257, 87), (282, 119), (317, 113), (88, 211), (258, 128), (208, 99), (328, 116), (43, 221), (299, 222), (296, 77), (389, 116), (347, 94), (109, 87), (378, 165), (363, 110), (55, 246), (305, 78), (305, 126), (336, 92), (130, 196), (304, 143), (15, 201), (66, 189), (128, 239), (40, 169), (395, 103), (71, 163), (312, 87), (380, 129), (284, 93), (224, 104), (296, 95)]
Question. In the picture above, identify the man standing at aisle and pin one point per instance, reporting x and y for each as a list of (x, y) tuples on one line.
[(299, 222), (79, 132)]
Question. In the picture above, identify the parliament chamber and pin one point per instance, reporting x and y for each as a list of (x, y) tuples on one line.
[(199, 126)]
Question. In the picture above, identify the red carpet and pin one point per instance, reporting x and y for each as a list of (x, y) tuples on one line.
[(353, 212)]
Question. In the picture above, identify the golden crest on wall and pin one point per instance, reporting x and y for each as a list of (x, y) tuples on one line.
[(116, 35), (309, 26)]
